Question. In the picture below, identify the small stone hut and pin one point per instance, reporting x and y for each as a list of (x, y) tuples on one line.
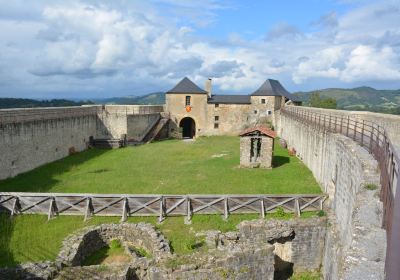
[(257, 147)]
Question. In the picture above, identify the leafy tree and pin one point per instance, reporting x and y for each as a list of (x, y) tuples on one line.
[(317, 101)]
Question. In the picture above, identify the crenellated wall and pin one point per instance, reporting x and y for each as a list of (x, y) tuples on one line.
[(355, 242), (33, 137)]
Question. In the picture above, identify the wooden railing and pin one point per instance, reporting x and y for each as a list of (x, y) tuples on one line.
[(126, 205), (375, 140)]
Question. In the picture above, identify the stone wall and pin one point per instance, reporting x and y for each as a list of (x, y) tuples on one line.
[(232, 118), (139, 125), (355, 241), (117, 120), (33, 137), (391, 123), (260, 249), (299, 242), (80, 245)]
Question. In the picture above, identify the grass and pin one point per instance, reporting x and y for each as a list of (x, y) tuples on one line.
[(306, 276), (31, 238), (167, 167), (371, 187), (114, 251)]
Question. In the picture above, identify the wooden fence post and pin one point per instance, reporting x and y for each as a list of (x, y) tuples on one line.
[(125, 210), (321, 204), (16, 207), (262, 208), (297, 207), (355, 130), (348, 125), (52, 209), (371, 138), (226, 208), (362, 133), (89, 209), (341, 124), (161, 215), (188, 211)]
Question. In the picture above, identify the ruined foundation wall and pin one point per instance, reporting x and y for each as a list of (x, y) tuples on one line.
[(355, 242), (32, 137)]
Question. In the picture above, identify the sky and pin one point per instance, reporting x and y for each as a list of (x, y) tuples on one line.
[(97, 49)]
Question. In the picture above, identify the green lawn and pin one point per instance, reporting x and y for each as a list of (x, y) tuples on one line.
[(31, 238), (207, 165)]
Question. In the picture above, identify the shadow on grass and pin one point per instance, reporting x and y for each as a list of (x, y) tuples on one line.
[(6, 231), (280, 160), (97, 257), (42, 179)]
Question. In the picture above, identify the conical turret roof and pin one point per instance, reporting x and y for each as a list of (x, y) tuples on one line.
[(272, 88), (186, 86)]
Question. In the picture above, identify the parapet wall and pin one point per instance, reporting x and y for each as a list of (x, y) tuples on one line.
[(355, 243), (33, 137), (391, 123)]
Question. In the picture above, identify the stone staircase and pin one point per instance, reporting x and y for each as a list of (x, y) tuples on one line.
[(153, 133), (108, 143)]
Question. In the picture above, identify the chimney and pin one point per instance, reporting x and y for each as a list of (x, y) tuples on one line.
[(208, 86)]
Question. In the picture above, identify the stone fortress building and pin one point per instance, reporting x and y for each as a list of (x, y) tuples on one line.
[(197, 112), (354, 243)]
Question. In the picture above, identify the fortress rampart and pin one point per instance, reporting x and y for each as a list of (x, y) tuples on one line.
[(33, 137), (356, 243)]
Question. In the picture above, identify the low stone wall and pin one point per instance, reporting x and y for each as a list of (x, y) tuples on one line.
[(252, 252), (355, 240), (82, 244)]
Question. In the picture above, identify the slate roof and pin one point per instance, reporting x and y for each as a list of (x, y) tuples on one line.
[(273, 88), (263, 129), (229, 99), (186, 86)]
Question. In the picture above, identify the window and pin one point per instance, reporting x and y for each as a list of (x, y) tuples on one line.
[(216, 105), (216, 125), (269, 112), (263, 101), (216, 118), (255, 111), (187, 101)]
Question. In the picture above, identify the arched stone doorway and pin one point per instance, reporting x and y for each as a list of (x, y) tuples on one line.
[(188, 127)]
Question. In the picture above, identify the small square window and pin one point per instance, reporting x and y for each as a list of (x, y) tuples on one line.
[(216, 125), (269, 112), (216, 105), (216, 118), (255, 111), (263, 101), (187, 102)]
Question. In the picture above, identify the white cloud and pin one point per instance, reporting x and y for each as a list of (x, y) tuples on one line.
[(368, 63), (114, 47), (320, 65)]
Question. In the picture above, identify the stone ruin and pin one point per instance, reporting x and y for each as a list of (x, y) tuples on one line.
[(260, 249)]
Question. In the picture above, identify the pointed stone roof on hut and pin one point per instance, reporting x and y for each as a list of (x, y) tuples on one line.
[(186, 86), (263, 130), (271, 88)]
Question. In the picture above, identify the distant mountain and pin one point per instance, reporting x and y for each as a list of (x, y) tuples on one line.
[(360, 98), (8, 103), (154, 98)]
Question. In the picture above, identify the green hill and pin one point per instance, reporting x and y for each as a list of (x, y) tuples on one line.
[(8, 103), (360, 98), (154, 98)]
